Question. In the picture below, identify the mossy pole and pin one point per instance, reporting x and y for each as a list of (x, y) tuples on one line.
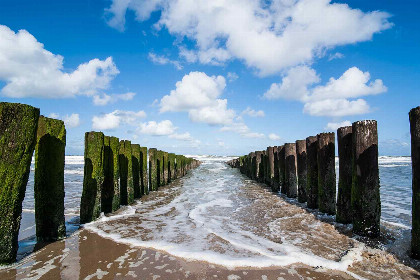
[(326, 173), (414, 116), (126, 173), (275, 187), (18, 128), (49, 179), (143, 171), (365, 196), (165, 167), (250, 172), (312, 172), (290, 169), (301, 169), (270, 167), (153, 182), (93, 178), (171, 166), (256, 167), (282, 174), (159, 165), (344, 142), (114, 145), (135, 160)]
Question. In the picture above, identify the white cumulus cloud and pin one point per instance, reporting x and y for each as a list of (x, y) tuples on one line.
[(198, 94), (253, 113), (116, 118), (242, 129), (269, 36), (157, 128), (332, 126), (70, 121), (162, 60), (29, 70), (274, 137), (338, 97)]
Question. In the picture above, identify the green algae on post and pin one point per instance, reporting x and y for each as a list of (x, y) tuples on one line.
[(153, 177), (93, 178), (18, 128), (344, 141), (126, 173), (365, 196), (49, 179), (171, 167), (414, 116), (143, 171), (114, 143), (135, 159), (326, 173), (111, 188)]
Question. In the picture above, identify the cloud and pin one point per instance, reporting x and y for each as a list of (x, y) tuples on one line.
[(157, 128), (336, 107), (29, 70), (269, 36), (252, 113), (114, 119), (331, 126), (70, 121), (294, 84), (274, 137), (198, 95), (338, 97), (162, 60), (232, 76), (184, 136), (336, 55), (104, 99), (241, 129)]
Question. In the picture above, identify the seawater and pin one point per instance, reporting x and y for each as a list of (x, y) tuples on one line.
[(216, 214)]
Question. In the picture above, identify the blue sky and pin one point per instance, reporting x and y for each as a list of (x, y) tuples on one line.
[(221, 77)]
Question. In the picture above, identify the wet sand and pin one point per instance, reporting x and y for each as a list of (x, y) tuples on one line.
[(265, 219)]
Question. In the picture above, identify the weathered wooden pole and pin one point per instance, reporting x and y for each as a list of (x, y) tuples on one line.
[(171, 166), (153, 176), (159, 165), (345, 152), (257, 157), (165, 168), (250, 172), (290, 169), (143, 171), (111, 189), (301, 169), (49, 179), (282, 174), (18, 128), (276, 184), (270, 167), (312, 172), (126, 173), (93, 178), (135, 160), (264, 161), (326, 173), (365, 196), (415, 165)]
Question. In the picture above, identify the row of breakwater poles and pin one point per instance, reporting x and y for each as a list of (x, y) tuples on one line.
[(306, 170), (115, 173)]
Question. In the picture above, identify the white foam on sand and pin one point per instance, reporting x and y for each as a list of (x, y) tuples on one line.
[(198, 224)]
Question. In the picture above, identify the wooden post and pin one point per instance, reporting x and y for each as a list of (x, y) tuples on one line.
[(143, 171), (135, 160), (290, 169), (301, 169), (153, 176), (49, 179), (282, 173), (326, 173), (345, 151), (18, 128), (365, 196), (415, 159), (312, 172), (126, 173), (93, 179), (276, 185), (270, 167)]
